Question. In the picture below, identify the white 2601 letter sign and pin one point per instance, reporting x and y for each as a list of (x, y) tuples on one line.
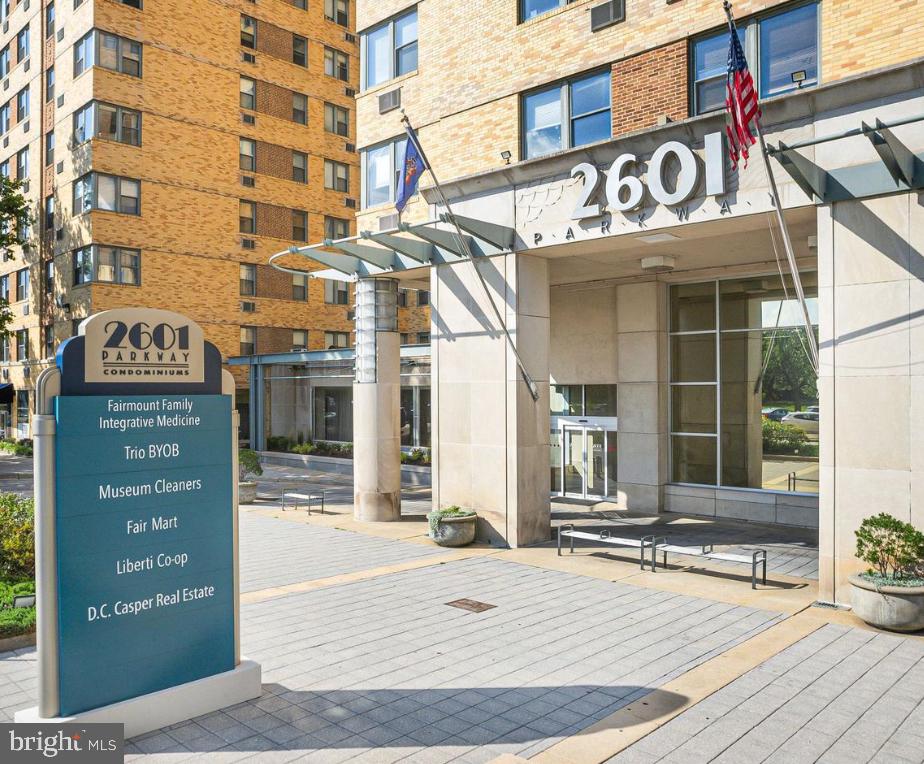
[(625, 193)]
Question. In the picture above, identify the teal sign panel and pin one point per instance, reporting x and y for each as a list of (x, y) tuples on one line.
[(144, 531)]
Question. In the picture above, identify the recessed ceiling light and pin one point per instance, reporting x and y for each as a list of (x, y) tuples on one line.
[(657, 238)]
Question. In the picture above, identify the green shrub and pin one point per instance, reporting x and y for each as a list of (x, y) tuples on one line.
[(278, 443), (893, 549), (436, 516), (17, 537), (17, 621), (304, 448), (416, 456), (18, 447), (248, 463), (782, 438)]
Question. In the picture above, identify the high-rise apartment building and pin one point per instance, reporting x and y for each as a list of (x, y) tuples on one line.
[(167, 150)]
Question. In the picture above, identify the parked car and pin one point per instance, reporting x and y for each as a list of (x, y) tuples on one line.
[(813, 409), (774, 413), (804, 420)]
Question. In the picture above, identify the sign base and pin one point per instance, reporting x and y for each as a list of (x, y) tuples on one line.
[(175, 704)]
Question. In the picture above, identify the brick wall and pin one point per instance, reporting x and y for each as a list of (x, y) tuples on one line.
[(274, 100), (274, 221), (273, 283), (272, 339), (649, 85), (274, 160), (274, 40)]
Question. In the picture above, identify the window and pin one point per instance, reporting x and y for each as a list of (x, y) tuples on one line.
[(5, 288), (248, 279), (333, 409), (49, 19), (48, 333), (423, 338), (5, 168), (423, 297), (777, 47), (84, 128), (336, 64), (49, 84), (299, 339), (337, 11), (248, 217), (303, 4), (117, 123), (248, 93), (111, 265), (336, 292), (402, 298), (248, 340), (22, 402), (336, 119), (336, 340), (336, 228), (49, 148), (131, 3), (107, 192), (22, 284), (300, 108), (572, 113), (5, 119), (49, 213), (22, 44), (109, 51), (22, 164), (381, 169), (583, 400), (390, 49), (5, 61), (299, 167), (336, 176), (22, 104), (300, 286), (299, 50), (248, 32), (248, 155), (299, 225), (49, 276), (532, 8), (743, 395)]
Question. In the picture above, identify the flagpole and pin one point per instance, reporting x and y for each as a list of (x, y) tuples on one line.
[(787, 241), (463, 244)]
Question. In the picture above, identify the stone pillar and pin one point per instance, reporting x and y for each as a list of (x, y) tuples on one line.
[(376, 403), (641, 318), (490, 438)]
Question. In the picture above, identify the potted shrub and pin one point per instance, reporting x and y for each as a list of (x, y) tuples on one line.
[(452, 526), (248, 463), (890, 594)]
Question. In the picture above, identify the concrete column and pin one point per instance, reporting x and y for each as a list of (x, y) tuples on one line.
[(376, 403), (871, 385), (491, 439), (641, 318)]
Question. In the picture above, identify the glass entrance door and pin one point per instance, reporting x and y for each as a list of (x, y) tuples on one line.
[(585, 462)]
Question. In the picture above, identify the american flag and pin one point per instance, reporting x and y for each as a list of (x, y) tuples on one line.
[(740, 100)]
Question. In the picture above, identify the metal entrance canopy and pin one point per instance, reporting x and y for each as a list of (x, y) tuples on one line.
[(407, 247)]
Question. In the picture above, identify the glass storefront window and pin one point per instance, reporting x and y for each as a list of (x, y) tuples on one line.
[(407, 416), (333, 413), (600, 400), (424, 417), (555, 455), (765, 407), (567, 400)]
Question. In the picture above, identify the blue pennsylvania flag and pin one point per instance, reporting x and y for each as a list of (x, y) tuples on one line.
[(411, 169)]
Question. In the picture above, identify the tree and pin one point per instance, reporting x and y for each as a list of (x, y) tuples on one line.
[(14, 223), (789, 375)]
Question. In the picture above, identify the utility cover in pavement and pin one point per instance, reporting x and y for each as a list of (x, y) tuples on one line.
[(472, 605)]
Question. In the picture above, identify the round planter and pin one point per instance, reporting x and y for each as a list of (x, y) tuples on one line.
[(455, 531), (893, 608), (246, 492)]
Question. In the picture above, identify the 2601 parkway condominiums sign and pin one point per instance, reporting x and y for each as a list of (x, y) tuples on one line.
[(135, 444), (144, 539)]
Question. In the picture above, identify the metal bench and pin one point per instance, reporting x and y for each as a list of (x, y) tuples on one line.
[(309, 499), (641, 544), (757, 557), (659, 544)]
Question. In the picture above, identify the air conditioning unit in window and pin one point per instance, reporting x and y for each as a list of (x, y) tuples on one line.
[(248, 58), (6, 27), (26, 65), (61, 34), (6, 141), (25, 5), (59, 234), (389, 101), (351, 203), (59, 168), (25, 186), (247, 180), (6, 84), (299, 349), (349, 92), (349, 37), (606, 14), (248, 244), (61, 100), (248, 119), (351, 148), (25, 126), (25, 309), (248, 307), (351, 315)]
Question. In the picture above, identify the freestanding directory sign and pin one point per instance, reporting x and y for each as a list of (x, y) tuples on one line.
[(136, 537)]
